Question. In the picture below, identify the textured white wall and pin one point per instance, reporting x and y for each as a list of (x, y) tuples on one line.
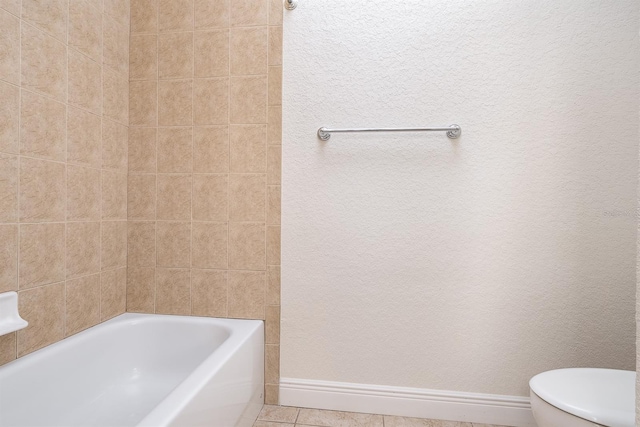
[(411, 260)]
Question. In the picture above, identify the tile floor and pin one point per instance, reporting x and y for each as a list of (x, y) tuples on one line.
[(283, 416)]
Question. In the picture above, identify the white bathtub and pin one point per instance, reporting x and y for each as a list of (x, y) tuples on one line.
[(141, 370)]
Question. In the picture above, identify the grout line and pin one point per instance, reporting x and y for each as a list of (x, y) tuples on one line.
[(66, 182), (101, 190), (19, 164), (193, 119), (227, 30), (157, 121)]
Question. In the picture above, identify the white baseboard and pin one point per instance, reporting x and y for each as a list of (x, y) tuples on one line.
[(407, 402)]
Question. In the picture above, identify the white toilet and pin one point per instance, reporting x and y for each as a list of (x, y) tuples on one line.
[(584, 397)]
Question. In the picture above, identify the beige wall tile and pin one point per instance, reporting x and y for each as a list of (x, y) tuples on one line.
[(175, 15), (272, 364), (248, 146), (142, 149), (8, 188), (211, 101), (144, 16), (211, 13), (9, 118), (273, 285), (273, 204), (175, 150), (83, 248), (141, 197), (7, 348), (275, 12), (44, 63), (42, 254), (12, 6), (115, 96), (9, 48), (42, 190), (143, 57), (248, 100), (57, 55), (83, 193), (8, 258), (83, 137), (175, 55), (114, 145), (247, 246), (141, 289), (273, 245), (82, 304), (246, 294), (173, 244), (175, 102), (275, 45), (274, 132), (209, 293), (209, 247), (210, 197), (113, 293), (211, 53), (44, 309), (247, 196), (271, 394), (211, 149), (113, 251), (85, 28), (42, 127), (143, 98), (274, 164), (118, 10), (174, 197), (275, 85), (173, 291), (248, 48), (85, 83), (142, 244), (114, 195), (272, 324), (49, 16), (116, 45), (249, 12)]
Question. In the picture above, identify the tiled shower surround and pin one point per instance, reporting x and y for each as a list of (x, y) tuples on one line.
[(63, 165), (204, 162), (140, 146)]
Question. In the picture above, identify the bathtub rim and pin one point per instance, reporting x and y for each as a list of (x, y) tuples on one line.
[(124, 318)]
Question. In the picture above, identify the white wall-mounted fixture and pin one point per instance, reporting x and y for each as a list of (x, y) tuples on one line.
[(10, 320)]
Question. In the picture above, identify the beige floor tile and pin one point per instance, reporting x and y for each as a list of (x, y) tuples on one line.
[(281, 414), (316, 417), (391, 421), (271, 424)]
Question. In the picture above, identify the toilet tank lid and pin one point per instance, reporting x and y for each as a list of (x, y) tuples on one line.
[(603, 396)]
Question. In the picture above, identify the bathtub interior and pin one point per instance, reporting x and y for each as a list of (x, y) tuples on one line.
[(111, 375)]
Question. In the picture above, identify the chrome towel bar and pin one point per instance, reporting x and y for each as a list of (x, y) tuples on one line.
[(453, 131)]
